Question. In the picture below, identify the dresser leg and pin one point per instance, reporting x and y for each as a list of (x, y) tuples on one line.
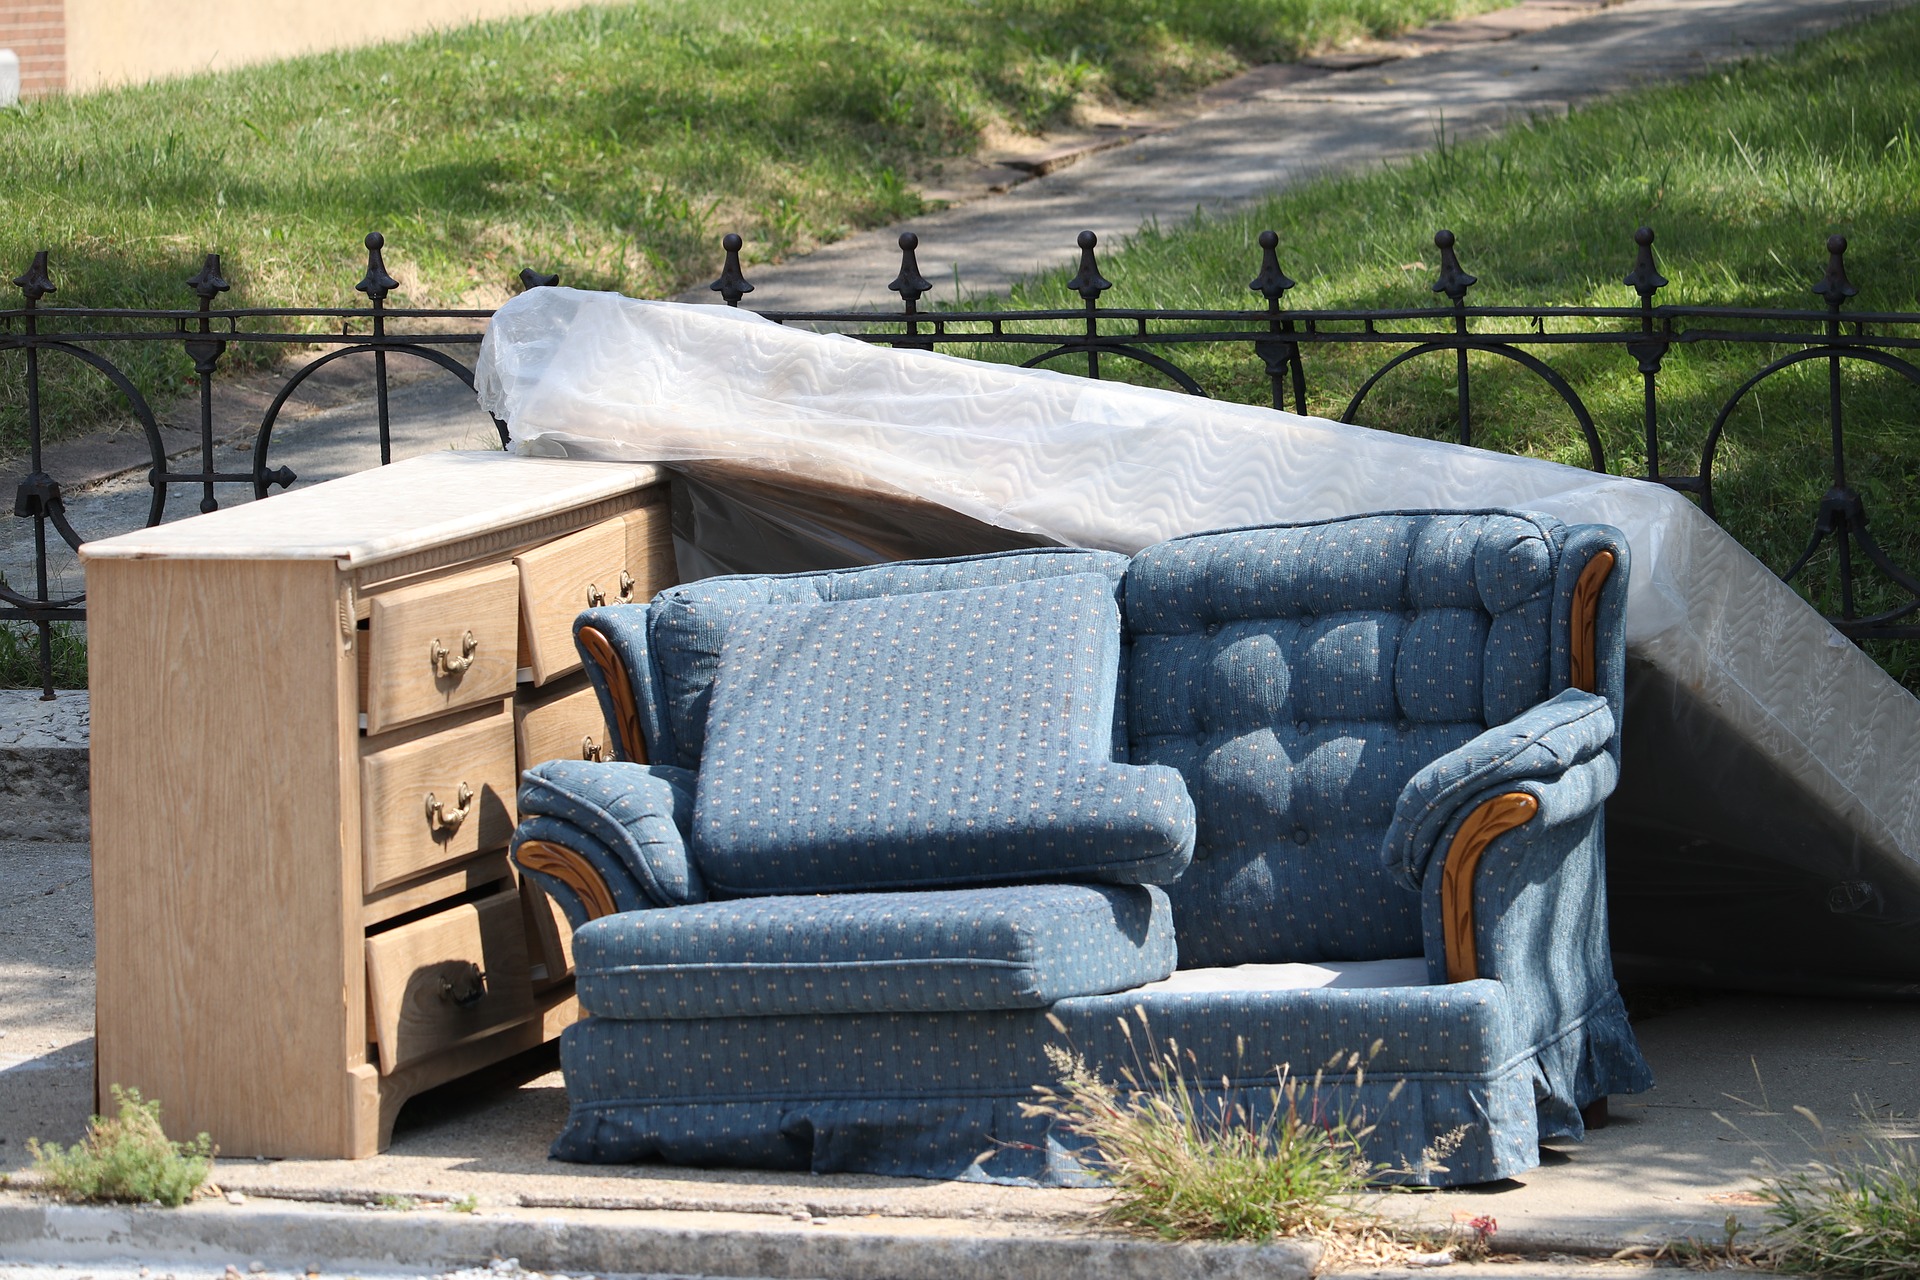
[(367, 1137)]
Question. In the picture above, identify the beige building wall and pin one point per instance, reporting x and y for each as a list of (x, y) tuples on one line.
[(36, 31), (115, 42)]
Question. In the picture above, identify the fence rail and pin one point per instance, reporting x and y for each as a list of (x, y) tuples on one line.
[(1089, 336)]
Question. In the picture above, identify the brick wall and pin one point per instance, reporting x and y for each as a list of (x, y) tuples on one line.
[(37, 31)]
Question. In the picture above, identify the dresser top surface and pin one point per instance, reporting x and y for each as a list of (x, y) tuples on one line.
[(386, 512)]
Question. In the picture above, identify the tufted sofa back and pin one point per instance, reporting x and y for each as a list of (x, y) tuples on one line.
[(1297, 676)]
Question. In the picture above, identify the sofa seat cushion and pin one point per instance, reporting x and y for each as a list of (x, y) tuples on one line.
[(941, 739), (1005, 948), (1401, 971)]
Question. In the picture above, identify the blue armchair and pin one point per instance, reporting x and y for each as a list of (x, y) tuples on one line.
[(1291, 794)]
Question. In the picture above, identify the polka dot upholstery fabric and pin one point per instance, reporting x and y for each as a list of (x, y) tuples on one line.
[(1298, 676), (671, 647), (955, 949), (942, 1094), (941, 738), (1338, 697), (634, 814), (1568, 729)]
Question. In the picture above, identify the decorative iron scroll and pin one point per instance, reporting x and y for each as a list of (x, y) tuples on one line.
[(1090, 337)]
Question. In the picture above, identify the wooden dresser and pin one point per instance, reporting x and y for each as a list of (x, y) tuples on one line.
[(309, 718)]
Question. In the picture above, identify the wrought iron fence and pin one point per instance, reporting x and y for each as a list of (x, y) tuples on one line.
[(1089, 335)]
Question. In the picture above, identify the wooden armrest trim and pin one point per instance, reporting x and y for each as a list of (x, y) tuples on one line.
[(1586, 614), (1494, 817), (571, 870), (620, 687)]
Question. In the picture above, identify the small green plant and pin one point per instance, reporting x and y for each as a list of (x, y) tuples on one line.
[(1186, 1166), (398, 1204), (1857, 1216), (465, 1204), (1475, 1244), (127, 1159)]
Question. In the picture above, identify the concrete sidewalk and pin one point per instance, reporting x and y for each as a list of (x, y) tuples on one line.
[(1279, 126), (1675, 1163)]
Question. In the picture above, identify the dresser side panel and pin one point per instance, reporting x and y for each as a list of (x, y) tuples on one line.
[(225, 807)]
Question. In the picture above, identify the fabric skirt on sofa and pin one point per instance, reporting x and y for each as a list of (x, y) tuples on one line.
[(949, 1095)]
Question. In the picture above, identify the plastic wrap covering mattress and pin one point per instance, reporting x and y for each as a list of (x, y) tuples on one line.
[(1767, 827)]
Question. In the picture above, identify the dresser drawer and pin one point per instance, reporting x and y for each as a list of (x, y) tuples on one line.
[(649, 533), (580, 571), (561, 722), (437, 983), (438, 646), (549, 936), (623, 560), (436, 794)]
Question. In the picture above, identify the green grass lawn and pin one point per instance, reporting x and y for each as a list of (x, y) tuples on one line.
[(612, 144), (1743, 175)]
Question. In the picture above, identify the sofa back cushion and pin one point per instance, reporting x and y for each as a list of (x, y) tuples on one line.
[(1297, 676), (943, 738), (687, 626)]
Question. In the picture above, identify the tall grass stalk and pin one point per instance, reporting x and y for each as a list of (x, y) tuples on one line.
[(1184, 1164), (1856, 1216)]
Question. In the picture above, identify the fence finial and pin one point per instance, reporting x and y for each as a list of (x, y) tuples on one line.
[(209, 283), (731, 285), (1272, 281), (376, 284), (1645, 278), (1089, 284), (1834, 286), (910, 284), (1453, 281), (34, 281)]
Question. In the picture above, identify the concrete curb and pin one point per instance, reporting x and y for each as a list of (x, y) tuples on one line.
[(43, 765), (44, 793), (612, 1242)]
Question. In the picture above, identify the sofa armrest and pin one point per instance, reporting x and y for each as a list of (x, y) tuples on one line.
[(1526, 905), (612, 641), (612, 834), (1541, 743), (1552, 821)]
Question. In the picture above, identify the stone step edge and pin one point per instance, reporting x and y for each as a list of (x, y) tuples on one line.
[(608, 1242)]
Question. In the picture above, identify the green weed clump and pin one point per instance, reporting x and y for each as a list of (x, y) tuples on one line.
[(127, 1159), (1186, 1166), (1858, 1216), (20, 656)]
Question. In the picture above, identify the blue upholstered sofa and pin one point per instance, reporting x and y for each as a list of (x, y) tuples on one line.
[(1292, 794)]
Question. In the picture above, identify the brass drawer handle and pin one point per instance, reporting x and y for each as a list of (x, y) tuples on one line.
[(444, 663), (471, 991), (596, 597), (591, 750), (449, 820)]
